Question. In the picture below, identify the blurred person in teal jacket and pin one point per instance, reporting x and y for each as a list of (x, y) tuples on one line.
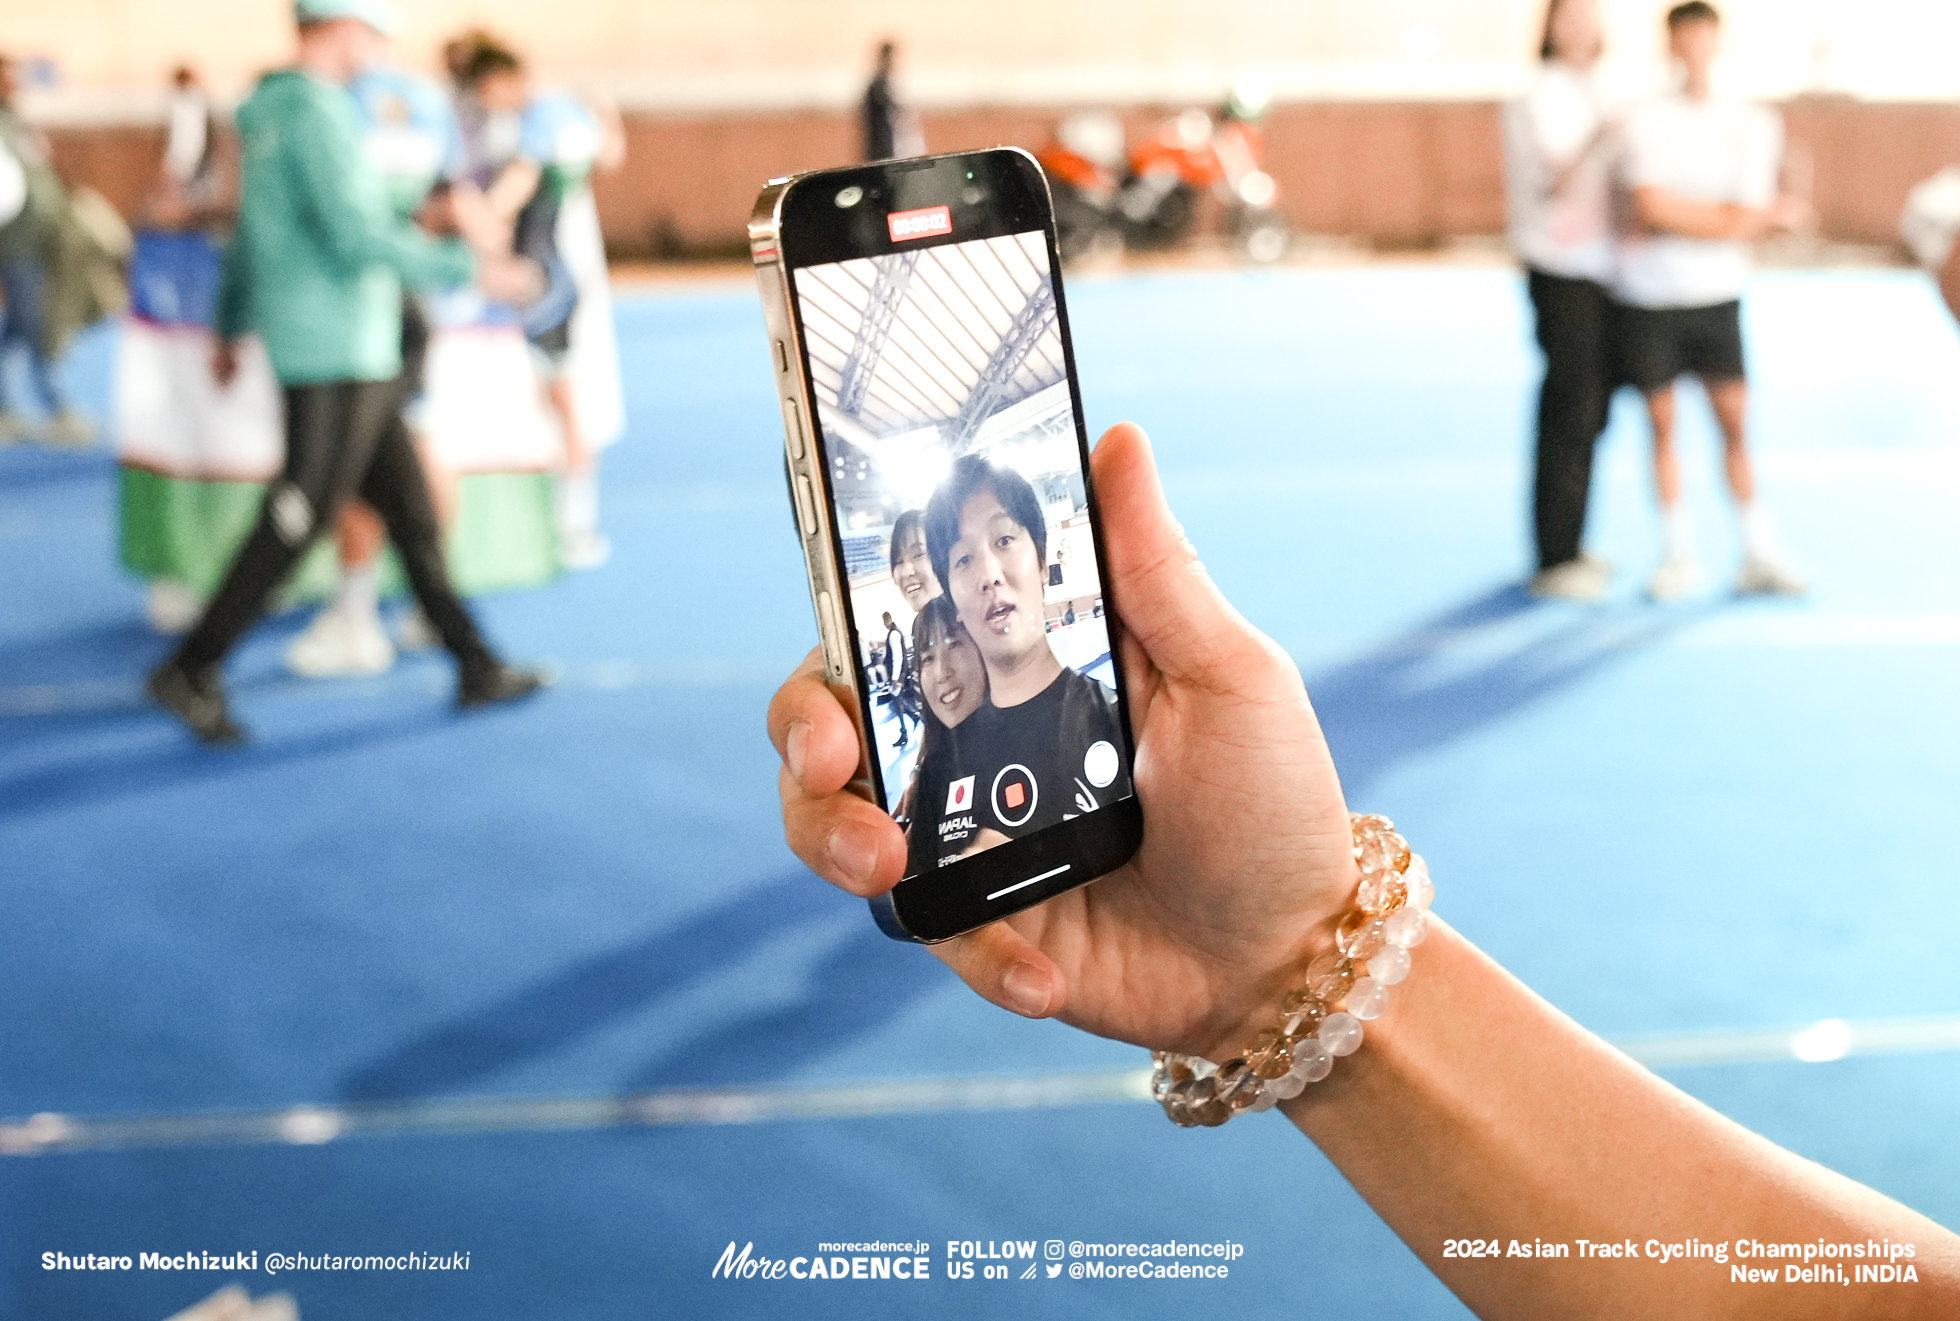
[(317, 269)]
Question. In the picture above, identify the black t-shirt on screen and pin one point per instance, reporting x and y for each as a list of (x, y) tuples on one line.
[(1018, 769)]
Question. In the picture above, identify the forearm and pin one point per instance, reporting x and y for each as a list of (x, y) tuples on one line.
[(358, 233), (1671, 213), (1564, 172), (1477, 1111), (1949, 276), (512, 188)]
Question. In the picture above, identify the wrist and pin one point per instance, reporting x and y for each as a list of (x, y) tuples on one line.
[(1333, 993)]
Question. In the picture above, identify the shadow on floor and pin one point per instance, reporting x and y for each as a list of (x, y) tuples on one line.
[(860, 984), (1479, 663)]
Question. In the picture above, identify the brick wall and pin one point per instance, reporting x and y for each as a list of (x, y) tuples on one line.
[(1396, 174)]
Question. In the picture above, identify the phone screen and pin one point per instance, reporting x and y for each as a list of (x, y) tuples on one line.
[(954, 463)]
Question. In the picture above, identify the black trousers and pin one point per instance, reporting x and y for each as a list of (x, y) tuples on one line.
[(342, 438), (1573, 319)]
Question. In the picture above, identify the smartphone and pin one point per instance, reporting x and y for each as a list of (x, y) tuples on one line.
[(938, 469)]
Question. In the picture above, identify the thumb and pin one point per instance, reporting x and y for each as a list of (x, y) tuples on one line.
[(1162, 594)]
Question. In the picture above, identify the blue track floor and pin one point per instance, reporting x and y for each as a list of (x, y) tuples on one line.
[(1713, 815)]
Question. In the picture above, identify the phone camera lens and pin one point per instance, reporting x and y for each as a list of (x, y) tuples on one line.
[(850, 196), (972, 196)]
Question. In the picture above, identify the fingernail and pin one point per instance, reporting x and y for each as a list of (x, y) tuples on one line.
[(794, 745), (1025, 990), (854, 848)]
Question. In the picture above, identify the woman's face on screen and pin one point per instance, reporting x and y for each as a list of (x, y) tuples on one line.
[(912, 571)]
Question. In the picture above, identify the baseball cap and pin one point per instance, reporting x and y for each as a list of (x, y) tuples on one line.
[(377, 14)]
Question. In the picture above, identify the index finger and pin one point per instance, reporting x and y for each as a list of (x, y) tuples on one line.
[(842, 838), (812, 731)]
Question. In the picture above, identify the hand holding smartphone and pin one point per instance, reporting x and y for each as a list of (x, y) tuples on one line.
[(937, 461)]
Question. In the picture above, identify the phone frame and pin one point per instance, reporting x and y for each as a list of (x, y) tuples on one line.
[(796, 223)]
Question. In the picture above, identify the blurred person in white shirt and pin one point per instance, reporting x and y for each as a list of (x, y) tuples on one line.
[(1557, 138), (1702, 179)]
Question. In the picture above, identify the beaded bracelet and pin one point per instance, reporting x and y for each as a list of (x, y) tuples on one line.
[(1371, 954)]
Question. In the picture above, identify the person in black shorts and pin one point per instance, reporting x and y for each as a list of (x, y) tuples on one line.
[(1701, 177)]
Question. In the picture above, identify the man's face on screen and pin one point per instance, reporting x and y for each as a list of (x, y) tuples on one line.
[(913, 575), (952, 676), (996, 580)]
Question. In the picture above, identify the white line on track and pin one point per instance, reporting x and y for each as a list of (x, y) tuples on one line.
[(311, 1125)]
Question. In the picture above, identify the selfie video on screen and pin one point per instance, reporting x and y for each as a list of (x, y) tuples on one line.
[(977, 606)]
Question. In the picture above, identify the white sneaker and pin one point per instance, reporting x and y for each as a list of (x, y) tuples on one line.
[(334, 646), (68, 430), (172, 607), (1675, 578), (414, 633), (1583, 579), (1762, 576), (583, 550)]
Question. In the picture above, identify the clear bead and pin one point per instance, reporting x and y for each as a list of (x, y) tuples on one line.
[(1291, 1084), (1406, 927), (1329, 976), (1421, 888), (1201, 1067), (1382, 851), (1267, 1100), (1367, 1000), (1212, 1113), (1312, 1061), (1304, 1021), (1380, 892), (1246, 1094), (1341, 1034), (1237, 1085), (1262, 1046), (1368, 823), (1359, 935), (1192, 1091), (1389, 965), (1181, 1102), (1274, 1062)]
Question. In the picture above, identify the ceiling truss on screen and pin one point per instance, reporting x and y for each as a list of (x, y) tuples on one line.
[(1035, 319), (937, 339), (887, 292)]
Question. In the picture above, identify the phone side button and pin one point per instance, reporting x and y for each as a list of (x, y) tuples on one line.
[(827, 633), (806, 507), (782, 358), (793, 428)]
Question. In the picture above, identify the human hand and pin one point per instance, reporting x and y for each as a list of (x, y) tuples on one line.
[(508, 279), (437, 212), (1791, 212), (224, 362), (169, 208), (1247, 857), (481, 227)]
